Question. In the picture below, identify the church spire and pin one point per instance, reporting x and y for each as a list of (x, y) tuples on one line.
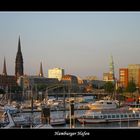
[(19, 46), (4, 68), (19, 61), (41, 70), (112, 67)]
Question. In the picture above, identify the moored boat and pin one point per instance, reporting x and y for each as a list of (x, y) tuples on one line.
[(57, 118), (103, 104), (57, 121), (110, 116), (45, 126)]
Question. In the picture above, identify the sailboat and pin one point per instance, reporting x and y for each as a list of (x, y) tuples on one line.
[(57, 118)]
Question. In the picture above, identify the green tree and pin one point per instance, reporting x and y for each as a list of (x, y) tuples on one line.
[(120, 90), (131, 87), (109, 87)]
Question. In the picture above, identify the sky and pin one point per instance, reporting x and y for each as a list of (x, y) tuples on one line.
[(79, 42)]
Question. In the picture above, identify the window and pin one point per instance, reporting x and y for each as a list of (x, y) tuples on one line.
[(89, 117), (113, 116), (133, 115), (109, 102), (101, 116), (137, 115), (96, 117), (125, 115), (109, 116)]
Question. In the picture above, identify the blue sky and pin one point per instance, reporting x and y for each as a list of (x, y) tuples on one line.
[(79, 42)]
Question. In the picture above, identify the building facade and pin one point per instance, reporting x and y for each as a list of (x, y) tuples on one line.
[(71, 82), (56, 73), (30, 81), (108, 77), (134, 73), (7, 81), (123, 77)]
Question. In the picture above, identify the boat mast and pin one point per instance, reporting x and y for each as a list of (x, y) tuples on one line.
[(31, 106)]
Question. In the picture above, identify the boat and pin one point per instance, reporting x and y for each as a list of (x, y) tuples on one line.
[(12, 110), (103, 104), (11, 123), (21, 120), (46, 126), (109, 116), (57, 118), (1, 108), (134, 106), (57, 121)]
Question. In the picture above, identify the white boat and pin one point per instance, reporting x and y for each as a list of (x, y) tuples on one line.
[(103, 104), (110, 116), (57, 118), (11, 121), (134, 106), (21, 120), (11, 109), (46, 126), (57, 121), (14, 121), (1, 108)]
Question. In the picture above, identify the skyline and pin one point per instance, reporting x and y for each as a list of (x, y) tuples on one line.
[(79, 42)]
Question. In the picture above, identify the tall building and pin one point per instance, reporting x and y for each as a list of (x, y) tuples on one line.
[(56, 73), (41, 70), (134, 73), (123, 77), (19, 61)]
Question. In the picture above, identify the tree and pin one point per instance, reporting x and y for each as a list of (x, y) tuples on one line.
[(120, 90), (109, 87), (131, 87)]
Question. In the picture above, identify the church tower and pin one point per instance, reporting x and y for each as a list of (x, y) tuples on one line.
[(19, 61), (112, 68), (41, 70), (4, 68)]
